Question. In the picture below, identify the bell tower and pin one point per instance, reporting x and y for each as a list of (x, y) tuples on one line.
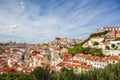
[(97, 30)]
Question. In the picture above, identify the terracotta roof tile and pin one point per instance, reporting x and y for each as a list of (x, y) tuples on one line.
[(115, 58), (76, 65), (86, 66), (69, 66), (89, 57), (76, 61), (61, 64), (66, 59)]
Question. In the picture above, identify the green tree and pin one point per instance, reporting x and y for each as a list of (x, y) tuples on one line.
[(95, 43), (87, 50), (57, 38), (41, 74), (76, 49), (113, 45), (15, 76), (107, 47), (94, 35), (66, 74)]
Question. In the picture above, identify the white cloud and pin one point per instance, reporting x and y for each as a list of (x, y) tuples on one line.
[(29, 22)]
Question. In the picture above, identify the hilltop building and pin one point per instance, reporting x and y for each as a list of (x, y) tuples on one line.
[(114, 31)]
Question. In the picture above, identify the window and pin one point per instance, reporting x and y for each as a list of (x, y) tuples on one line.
[(113, 61)]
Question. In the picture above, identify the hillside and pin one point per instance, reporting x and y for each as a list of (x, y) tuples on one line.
[(78, 48)]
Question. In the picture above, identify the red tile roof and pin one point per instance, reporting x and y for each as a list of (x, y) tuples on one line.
[(115, 58), (69, 66), (61, 64), (76, 65), (104, 60), (76, 61), (66, 59), (86, 66), (100, 59), (89, 57)]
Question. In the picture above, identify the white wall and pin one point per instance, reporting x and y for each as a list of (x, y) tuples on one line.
[(114, 42), (111, 52)]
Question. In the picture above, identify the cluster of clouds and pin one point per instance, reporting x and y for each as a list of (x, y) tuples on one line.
[(37, 21)]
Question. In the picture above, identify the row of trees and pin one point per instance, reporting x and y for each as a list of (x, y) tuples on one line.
[(15, 76), (99, 34), (87, 50), (110, 72), (94, 35)]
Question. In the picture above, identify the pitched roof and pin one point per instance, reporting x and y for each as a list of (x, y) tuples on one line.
[(69, 65), (66, 59), (61, 64), (89, 57), (101, 59), (115, 58), (86, 66), (76, 61)]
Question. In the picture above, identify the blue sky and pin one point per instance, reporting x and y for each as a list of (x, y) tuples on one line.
[(37, 21)]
